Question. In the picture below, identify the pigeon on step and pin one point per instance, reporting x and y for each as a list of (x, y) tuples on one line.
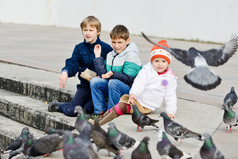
[(230, 118), (177, 131), (46, 145), (230, 98), (201, 77), (142, 151), (81, 121), (16, 144), (209, 150), (101, 139), (142, 120), (166, 149), (119, 139)]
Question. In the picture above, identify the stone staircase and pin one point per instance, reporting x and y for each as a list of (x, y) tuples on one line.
[(23, 102)]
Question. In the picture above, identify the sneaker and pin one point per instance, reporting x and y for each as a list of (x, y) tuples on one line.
[(53, 106)]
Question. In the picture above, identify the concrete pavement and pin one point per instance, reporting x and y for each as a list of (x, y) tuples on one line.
[(47, 47)]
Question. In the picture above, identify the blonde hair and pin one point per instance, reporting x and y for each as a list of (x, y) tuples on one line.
[(93, 21), (119, 31)]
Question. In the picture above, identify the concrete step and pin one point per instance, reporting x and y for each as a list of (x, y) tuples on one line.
[(32, 112)]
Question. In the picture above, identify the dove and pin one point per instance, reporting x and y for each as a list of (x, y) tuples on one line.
[(166, 149), (142, 151), (81, 121), (230, 118), (200, 76), (178, 131), (60, 132), (119, 139), (230, 98), (209, 150), (46, 145), (16, 144), (101, 138), (141, 120)]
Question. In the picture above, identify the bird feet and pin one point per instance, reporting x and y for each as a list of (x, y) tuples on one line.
[(228, 129), (138, 129)]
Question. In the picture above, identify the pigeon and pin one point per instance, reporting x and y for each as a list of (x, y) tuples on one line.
[(209, 150), (26, 143), (46, 145), (16, 144), (201, 77), (141, 120), (142, 151), (166, 149), (70, 147), (230, 98), (81, 121), (60, 132), (119, 139), (230, 118), (178, 131), (101, 139)]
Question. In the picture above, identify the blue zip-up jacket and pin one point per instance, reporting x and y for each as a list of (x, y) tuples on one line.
[(82, 58)]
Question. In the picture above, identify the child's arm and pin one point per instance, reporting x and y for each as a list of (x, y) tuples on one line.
[(63, 79), (171, 98), (98, 62), (132, 99)]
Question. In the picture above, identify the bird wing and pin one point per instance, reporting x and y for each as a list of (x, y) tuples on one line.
[(175, 129), (219, 56), (179, 54)]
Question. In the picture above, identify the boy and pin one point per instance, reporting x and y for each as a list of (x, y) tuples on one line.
[(154, 84), (81, 59), (117, 73)]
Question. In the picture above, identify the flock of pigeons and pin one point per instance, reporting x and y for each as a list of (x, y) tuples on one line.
[(80, 145)]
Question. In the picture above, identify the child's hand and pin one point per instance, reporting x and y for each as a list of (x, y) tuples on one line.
[(107, 75), (171, 116), (132, 99), (97, 50), (63, 79)]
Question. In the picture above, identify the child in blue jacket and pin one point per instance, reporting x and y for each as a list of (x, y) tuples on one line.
[(82, 58)]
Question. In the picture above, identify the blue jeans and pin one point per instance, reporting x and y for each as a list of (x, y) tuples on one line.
[(112, 89), (81, 98)]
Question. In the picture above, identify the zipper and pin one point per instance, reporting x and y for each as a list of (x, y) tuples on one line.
[(113, 60)]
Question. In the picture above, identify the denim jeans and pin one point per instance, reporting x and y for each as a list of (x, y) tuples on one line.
[(81, 98), (112, 89)]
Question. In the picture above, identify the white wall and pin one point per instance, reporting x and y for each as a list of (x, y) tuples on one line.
[(204, 20)]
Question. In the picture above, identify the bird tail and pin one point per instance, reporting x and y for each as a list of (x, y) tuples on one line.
[(202, 78), (195, 135), (153, 121)]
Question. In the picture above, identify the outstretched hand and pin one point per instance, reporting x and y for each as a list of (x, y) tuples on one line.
[(171, 116), (63, 79), (132, 99), (107, 75)]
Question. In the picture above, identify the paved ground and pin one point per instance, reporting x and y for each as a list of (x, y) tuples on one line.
[(47, 48)]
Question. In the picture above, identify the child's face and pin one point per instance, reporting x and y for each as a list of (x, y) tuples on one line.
[(160, 64), (119, 44), (90, 33)]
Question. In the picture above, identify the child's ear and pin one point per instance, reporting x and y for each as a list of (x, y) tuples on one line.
[(128, 41), (99, 33)]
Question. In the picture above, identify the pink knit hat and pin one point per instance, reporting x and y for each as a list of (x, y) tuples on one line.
[(159, 52)]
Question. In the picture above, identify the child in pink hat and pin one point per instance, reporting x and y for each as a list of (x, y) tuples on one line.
[(154, 84)]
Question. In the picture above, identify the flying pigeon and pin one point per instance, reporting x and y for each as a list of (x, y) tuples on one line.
[(142, 151), (16, 144), (178, 131), (230, 118), (230, 98), (201, 77), (101, 139), (209, 150), (46, 145), (166, 148), (119, 139), (141, 120), (81, 121)]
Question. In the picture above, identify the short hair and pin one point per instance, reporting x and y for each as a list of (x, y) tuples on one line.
[(119, 31), (93, 21)]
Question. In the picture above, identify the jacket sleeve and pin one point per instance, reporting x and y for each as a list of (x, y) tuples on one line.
[(171, 97), (72, 64), (127, 79), (100, 66), (139, 84)]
